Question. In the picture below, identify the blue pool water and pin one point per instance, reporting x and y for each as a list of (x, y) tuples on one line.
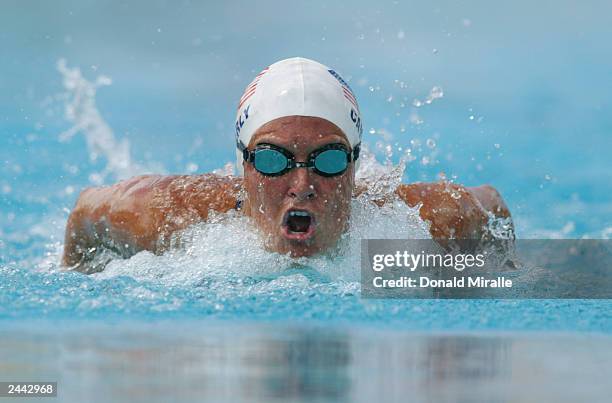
[(92, 93)]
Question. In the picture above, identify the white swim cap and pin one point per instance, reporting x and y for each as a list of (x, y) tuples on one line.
[(296, 86)]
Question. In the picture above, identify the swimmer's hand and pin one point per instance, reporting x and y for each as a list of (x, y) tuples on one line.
[(455, 211), (139, 214)]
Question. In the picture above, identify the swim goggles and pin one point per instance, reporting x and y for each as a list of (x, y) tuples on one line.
[(329, 160)]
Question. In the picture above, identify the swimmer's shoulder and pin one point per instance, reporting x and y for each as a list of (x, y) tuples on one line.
[(201, 192), (180, 185), (167, 193)]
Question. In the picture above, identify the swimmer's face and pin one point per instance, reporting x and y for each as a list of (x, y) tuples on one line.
[(300, 213)]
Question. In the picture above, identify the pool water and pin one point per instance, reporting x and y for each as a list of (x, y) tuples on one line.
[(445, 90)]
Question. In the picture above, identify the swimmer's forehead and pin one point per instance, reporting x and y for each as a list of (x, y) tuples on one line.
[(305, 132)]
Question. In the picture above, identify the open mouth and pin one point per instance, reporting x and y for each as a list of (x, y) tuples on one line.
[(298, 224)]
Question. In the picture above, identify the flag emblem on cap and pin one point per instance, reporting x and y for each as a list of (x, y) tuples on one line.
[(250, 90), (348, 93)]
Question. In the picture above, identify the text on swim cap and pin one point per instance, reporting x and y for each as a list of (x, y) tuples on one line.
[(357, 120), (244, 115)]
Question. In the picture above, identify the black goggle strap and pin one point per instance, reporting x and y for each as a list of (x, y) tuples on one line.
[(356, 151), (246, 154)]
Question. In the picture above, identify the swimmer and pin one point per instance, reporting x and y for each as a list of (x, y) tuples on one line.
[(298, 137)]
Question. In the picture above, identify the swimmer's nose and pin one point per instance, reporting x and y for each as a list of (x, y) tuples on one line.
[(301, 185)]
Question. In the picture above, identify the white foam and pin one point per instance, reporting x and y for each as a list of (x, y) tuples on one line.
[(228, 246)]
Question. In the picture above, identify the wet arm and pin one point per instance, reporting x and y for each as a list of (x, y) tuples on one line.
[(455, 211), (142, 213)]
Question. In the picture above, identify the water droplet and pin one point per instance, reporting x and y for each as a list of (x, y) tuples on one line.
[(431, 143), (371, 89), (496, 145), (372, 131), (388, 151), (435, 93), (415, 119), (471, 117)]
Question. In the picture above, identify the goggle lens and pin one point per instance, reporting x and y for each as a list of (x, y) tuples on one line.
[(331, 162), (270, 162)]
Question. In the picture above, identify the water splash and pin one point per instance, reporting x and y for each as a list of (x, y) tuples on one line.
[(379, 181), (81, 111), (228, 251), (227, 170), (500, 227), (435, 93)]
